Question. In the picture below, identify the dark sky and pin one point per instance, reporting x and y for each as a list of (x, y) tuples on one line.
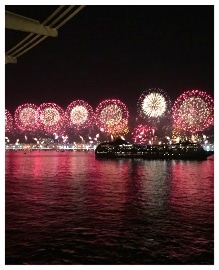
[(114, 52)]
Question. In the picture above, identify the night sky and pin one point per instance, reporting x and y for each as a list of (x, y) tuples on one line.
[(114, 52)]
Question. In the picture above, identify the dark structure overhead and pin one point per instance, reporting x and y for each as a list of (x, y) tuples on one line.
[(37, 31), (17, 22)]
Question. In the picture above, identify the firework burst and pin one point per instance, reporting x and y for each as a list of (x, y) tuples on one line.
[(153, 105), (117, 131), (8, 121), (26, 117), (178, 134), (79, 115), (193, 111), (111, 115), (142, 134), (50, 117)]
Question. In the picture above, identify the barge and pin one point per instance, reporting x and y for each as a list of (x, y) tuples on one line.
[(122, 149)]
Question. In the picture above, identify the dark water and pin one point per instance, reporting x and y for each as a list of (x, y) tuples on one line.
[(68, 208)]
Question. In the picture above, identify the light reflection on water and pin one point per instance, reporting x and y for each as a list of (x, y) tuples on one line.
[(68, 208)]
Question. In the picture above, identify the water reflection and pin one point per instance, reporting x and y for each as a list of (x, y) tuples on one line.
[(192, 186), (68, 208)]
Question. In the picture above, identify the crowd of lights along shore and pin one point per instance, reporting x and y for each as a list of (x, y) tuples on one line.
[(191, 114)]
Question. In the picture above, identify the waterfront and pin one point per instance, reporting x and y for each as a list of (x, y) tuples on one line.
[(68, 208)]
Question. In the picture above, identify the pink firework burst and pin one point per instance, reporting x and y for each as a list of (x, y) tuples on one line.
[(79, 115), (111, 114), (142, 134), (193, 111), (8, 121), (50, 117), (26, 117)]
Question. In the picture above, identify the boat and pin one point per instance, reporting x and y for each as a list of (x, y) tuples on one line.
[(122, 149)]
